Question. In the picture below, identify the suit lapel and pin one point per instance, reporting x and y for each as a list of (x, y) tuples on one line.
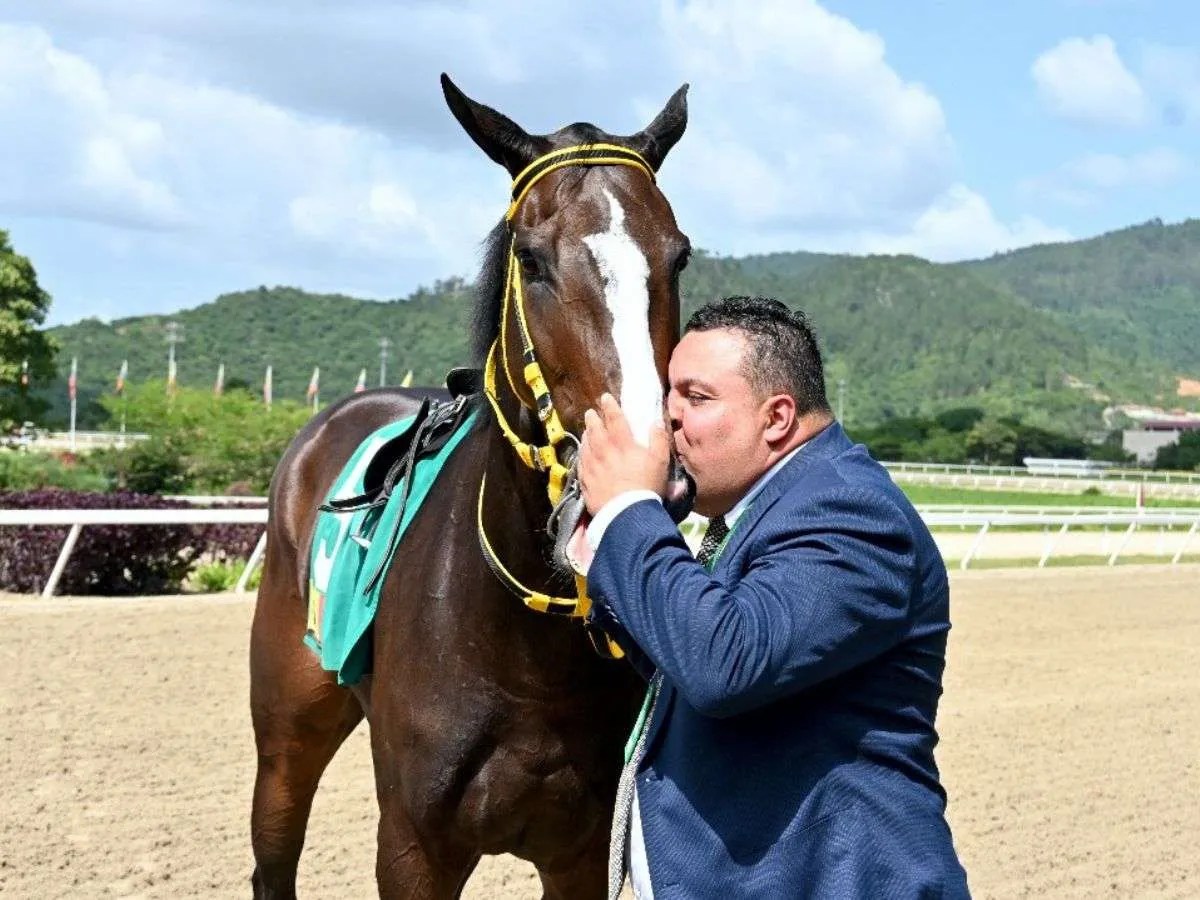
[(829, 442)]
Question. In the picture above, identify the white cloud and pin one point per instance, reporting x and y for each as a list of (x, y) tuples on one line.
[(238, 174), (1083, 182), (212, 139), (798, 122), (961, 224), (68, 148), (1084, 81)]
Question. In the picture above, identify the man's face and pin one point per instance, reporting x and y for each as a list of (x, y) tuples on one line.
[(717, 421)]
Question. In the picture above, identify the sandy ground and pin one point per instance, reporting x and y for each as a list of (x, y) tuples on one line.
[(1070, 746)]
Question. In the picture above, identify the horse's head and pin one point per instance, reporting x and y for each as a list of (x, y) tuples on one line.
[(598, 254)]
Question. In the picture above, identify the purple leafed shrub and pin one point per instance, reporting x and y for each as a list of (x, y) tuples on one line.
[(110, 559), (228, 542)]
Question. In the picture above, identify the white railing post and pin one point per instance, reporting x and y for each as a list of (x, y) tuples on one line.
[(251, 564), (60, 564), (1112, 560), (975, 544), (1187, 539), (1050, 544)]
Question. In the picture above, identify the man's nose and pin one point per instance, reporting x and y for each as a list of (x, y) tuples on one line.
[(673, 409)]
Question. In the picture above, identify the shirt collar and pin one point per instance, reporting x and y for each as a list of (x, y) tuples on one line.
[(755, 489)]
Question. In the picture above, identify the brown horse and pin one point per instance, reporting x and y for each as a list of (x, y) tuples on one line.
[(494, 728)]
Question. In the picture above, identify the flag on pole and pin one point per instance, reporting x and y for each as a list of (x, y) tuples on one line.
[(25, 373), (313, 384), (362, 382), (406, 381), (267, 388), (219, 384), (122, 375), (71, 385)]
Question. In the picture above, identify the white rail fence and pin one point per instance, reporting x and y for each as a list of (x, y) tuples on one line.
[(1051, 527), (82, 441), (1064, 484), (1166, 531), (1114, 473)]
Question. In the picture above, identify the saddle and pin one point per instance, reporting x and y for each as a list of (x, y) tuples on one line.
[(366, 515), (433, 425)]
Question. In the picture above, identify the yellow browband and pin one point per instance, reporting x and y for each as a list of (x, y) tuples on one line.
[(543, 458)]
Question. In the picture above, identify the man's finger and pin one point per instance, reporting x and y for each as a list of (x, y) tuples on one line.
[(660, 443), (614, 419)]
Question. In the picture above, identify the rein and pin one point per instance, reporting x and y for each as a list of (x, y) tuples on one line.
[(540, 457)]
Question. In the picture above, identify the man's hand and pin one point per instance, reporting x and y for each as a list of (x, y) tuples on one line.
[(612, 462)]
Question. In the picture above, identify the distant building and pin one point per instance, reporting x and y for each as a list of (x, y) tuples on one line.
[(1145, 442)]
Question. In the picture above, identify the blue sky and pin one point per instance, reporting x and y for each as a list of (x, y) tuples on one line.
[(156, 153)]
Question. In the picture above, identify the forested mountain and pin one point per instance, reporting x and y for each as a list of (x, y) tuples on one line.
[(1119, 314), (1134, 291)]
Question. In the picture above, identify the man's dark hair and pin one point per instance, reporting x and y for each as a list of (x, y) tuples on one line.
[(782, 355)]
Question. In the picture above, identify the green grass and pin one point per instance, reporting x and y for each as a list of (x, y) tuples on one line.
[(923, 493)]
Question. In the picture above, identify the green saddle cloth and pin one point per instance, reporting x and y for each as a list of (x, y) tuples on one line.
[(349, 547)]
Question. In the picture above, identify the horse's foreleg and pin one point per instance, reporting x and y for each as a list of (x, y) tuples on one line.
[(585, 878), (301, 717), (407, 869)]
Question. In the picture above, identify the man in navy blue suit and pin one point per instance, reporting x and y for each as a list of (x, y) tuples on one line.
[(795, 663)]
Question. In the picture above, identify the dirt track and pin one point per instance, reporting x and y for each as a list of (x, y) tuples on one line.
[(1070, 746)]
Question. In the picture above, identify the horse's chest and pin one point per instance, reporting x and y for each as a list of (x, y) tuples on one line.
[(506, 779)]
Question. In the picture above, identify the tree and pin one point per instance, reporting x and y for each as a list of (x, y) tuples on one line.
[(1183, 456), (198, 443), (961, 418), (993, 442), (23, 306)]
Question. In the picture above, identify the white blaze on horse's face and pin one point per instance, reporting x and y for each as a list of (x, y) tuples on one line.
[(625, 272)]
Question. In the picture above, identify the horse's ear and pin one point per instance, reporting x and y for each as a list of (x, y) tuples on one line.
[(657, 138), (506, 142)]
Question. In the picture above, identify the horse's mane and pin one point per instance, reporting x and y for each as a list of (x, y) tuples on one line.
[(489, 292)]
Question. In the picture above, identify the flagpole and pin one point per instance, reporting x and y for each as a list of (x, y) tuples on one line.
[(24, 393), (121, 376), (314, 389), (72, 385), (174, 336)]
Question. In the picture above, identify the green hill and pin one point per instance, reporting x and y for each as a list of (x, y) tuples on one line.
[(1134, 291), (1115, 316)]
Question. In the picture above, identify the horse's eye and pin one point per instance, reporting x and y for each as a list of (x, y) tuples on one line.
[(530, 269), (682, 260)]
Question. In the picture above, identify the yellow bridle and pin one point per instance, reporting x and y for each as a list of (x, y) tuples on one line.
[(543, 457)]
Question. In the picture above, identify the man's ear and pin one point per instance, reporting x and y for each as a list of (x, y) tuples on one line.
[(779, 417)]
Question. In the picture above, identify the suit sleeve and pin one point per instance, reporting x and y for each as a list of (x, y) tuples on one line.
[(828, 588)]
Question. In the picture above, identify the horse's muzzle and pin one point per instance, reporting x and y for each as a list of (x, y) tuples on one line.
[(570, 519)]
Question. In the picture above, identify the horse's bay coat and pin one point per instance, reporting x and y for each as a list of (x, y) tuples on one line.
[(791, 750)]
